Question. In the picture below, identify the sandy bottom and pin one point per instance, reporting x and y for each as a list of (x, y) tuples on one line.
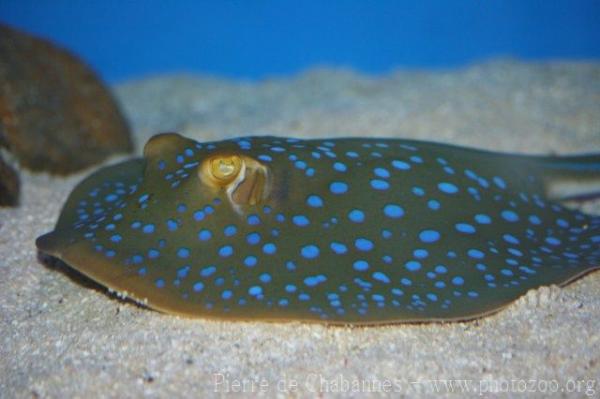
[(60, 337)]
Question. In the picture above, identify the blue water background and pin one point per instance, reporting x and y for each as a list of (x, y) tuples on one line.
[(256, 39)]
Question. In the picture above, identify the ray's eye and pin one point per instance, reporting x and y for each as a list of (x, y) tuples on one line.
[(245, 180), (224, 170)]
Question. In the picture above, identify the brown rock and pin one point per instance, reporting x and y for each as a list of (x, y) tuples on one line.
[(55, 114), (9, 185)]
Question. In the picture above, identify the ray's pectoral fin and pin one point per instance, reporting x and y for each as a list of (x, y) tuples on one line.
[(91, 189), (245, 180)]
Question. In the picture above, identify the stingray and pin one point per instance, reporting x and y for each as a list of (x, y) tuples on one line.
[(347, 231)]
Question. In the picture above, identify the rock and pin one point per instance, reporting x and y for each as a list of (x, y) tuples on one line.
[(9, 185), (55, 113)]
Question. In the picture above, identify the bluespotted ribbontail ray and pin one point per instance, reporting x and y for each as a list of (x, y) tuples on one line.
[(354, 230)]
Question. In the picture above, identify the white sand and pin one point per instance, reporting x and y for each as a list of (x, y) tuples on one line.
[(60, 338)]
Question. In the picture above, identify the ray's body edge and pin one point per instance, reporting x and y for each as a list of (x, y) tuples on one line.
[(78, 253), (122, 289)]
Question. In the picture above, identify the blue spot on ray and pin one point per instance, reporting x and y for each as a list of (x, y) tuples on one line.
[(393, 211), (314, 201), (183, 252), (314, 280), (227, 294), (208, 271), (360, 265), (379, 184), (381, 172), (197, 287), (172, 225), (269, 248), (465, 228), (253, 220), (204, 235), (483, 219), (309, 251), (199, 215), (448, 188), (338, 248), (356, 216), (475, 253), (458, 280), (226, 251), (510, 216), (250, 261), (380, 276), (401, 165), (434, 205), (338, 187), (253, 238), (230, 230), (300, 220), (116, 238), (363, 244), (255, 290), (429, 236), (413, 266), (339, 166)]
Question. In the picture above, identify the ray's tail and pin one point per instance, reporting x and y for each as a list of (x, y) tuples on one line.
[(575, 177)]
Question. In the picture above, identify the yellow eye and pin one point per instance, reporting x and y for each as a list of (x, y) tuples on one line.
[(225, 169), (247, 181)]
